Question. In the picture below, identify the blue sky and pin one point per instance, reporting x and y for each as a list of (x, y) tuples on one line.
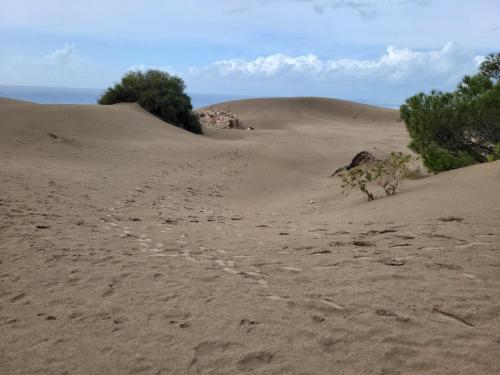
[(359, 49)]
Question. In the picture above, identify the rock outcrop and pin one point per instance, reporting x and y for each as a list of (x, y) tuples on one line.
[(221, 120), (360, 158)]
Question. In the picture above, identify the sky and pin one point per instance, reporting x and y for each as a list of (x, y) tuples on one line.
[(381, 50)]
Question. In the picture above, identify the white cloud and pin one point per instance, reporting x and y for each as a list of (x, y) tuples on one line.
[(264, 66), (393, 76), (396, 65), (64, 56), (61, 67)]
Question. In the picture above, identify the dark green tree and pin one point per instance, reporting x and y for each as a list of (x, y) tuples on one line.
[(490, 67), (159, 93), (457, 129)]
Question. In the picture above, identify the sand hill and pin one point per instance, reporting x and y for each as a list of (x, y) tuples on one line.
[(129, 246)]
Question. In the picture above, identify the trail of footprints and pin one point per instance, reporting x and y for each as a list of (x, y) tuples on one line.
[(115, 217), (391, 237)]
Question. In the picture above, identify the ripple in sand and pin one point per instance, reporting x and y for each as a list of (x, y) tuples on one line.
[(474, 244)]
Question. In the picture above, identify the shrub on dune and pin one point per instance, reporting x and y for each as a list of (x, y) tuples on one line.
[(158, 93), (387, 174)]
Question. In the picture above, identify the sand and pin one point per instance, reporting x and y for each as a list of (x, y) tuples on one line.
[(129, 246)]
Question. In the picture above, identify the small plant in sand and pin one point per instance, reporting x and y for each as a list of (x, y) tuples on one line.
[(388, 174), (495, 155), (359, 177)]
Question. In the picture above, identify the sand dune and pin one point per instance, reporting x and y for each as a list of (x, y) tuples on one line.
[(284, 112), (13, 101), (129, 246)]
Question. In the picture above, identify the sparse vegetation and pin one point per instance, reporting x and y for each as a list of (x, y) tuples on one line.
[(387, 174), (158, 93), (461, 128), (495, 155)]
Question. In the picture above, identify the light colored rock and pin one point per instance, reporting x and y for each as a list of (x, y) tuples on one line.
[(221, 120)]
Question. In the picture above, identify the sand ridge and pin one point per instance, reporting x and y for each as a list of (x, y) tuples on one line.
[(131, 246)]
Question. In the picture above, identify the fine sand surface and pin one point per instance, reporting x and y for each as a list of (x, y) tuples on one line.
[(129, 246)]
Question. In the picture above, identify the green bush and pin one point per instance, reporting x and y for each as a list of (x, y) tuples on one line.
[(495, 155), (388, 174), (158, 93), (358, 177), (457, 129), (440, 159)]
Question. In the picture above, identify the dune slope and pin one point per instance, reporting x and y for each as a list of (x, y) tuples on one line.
[(129, 246)]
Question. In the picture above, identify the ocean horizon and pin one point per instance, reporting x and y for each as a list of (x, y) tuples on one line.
[(70, 95)]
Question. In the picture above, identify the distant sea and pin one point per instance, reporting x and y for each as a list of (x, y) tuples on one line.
[(65, 95)]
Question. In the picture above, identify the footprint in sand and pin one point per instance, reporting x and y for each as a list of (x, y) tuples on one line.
[(209, 356), (452, 317), (18, 297), (389, 313), (253, 361), (393, 261)]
